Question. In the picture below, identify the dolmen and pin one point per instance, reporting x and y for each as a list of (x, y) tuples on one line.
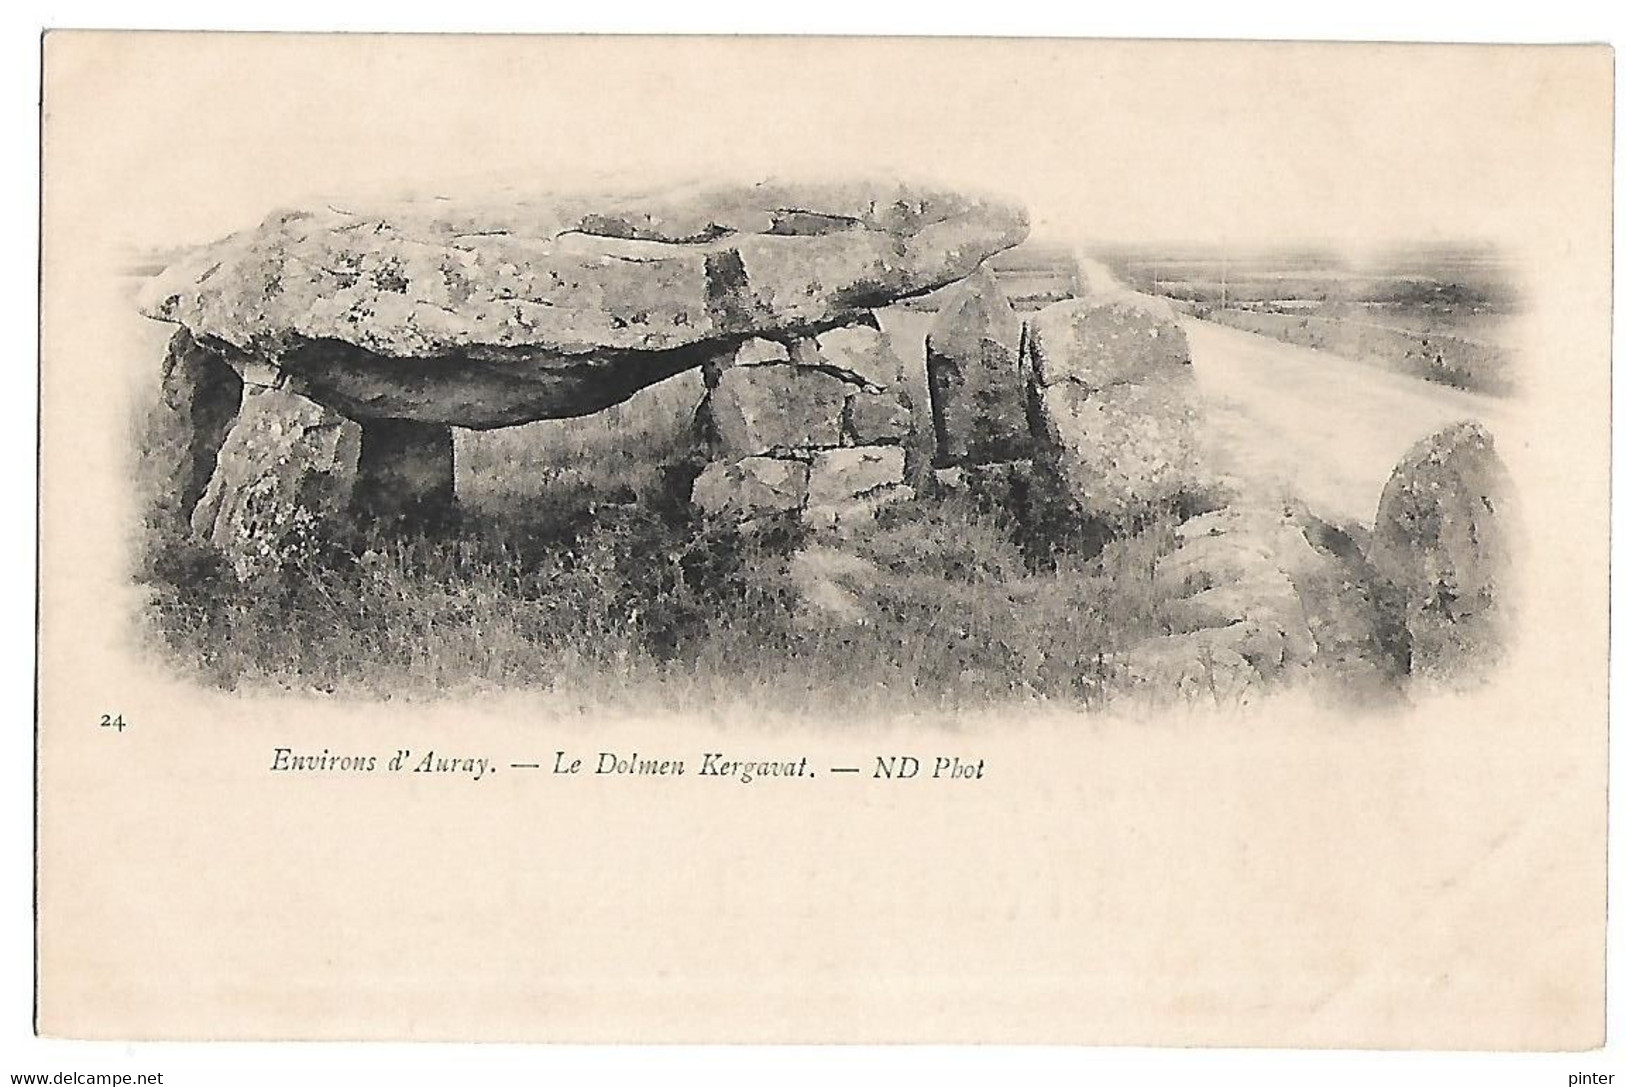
[(322, 357)]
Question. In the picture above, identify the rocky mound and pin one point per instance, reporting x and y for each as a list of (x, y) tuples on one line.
[(1234, 615)]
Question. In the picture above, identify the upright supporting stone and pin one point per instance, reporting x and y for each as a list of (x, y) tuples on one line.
[(978, 395), (287, 466), (199, 398), (406, 474)]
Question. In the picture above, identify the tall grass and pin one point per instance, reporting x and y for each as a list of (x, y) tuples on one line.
[(618, 603)]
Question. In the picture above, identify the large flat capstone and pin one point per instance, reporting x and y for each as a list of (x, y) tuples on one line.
[(484, 316)]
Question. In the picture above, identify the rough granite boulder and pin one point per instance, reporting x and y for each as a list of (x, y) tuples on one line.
[(774, 408), (813, 425), (978, 392), (839, 474), (874, 417), (1443, 543), (842, 387), (407, 473), (288, 466), (860, 354), (1113, 404), (484, 316)]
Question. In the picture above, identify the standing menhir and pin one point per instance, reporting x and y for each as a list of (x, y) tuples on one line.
[(1443, 545)]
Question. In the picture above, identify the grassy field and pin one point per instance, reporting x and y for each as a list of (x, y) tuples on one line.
[(578, 568), (1413, 342), (1444, 314)]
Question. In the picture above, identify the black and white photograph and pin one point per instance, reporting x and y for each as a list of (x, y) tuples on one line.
[(823, 540), (858, 444)]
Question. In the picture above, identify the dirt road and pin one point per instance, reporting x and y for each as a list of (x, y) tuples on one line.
[(1329, 428)]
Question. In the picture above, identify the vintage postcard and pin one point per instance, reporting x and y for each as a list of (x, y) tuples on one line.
[(823, 540)]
